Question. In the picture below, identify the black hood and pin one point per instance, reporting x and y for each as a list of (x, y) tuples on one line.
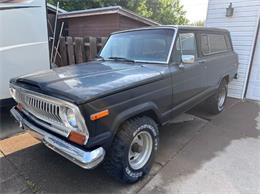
[(84, 82)]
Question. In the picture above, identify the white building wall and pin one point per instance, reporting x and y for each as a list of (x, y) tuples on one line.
[(242, 26)]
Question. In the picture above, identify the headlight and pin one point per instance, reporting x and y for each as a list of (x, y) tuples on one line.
[(13, 92), (71, 118)]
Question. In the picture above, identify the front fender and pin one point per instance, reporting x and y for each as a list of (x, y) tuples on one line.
[(134, 111)]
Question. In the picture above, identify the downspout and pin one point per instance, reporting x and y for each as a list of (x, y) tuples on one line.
[(252, 58)]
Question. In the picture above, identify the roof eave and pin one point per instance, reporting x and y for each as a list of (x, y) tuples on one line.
[(113, 10)]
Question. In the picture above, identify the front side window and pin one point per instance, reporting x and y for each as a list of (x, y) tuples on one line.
[(141, 45), (185, 45)]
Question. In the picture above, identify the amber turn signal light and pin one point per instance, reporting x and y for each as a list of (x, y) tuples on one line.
[(99, 115), (77, 137)]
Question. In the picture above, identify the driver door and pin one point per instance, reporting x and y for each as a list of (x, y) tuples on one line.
[(187, 78)]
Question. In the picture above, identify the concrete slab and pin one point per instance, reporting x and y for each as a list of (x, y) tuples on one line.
[(201, 111), (51, 173), (8, 125), (13, 185), (242, 116), (223, 158), (182, 118), (10, 180), (194, 157), (7, 171), (174, 137), (48, 170)]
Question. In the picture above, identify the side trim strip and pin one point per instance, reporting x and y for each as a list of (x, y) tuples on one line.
[(17, 7), (21, 45)]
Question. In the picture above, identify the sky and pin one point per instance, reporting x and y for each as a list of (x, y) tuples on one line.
[(195, 9)]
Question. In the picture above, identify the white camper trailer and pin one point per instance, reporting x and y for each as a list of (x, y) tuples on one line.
[(23, 41)]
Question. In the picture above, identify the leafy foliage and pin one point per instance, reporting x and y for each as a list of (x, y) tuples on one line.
[(162, 11), (198, 23)]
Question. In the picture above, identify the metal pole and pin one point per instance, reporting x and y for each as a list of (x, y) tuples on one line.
[(58, 44), (54, 33)]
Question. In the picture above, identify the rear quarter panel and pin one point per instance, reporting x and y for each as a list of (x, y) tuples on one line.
[(219, 66)]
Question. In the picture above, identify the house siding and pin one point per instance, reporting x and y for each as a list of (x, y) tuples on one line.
[(99, 25), (96, 26), (242, 27), (128, 23)]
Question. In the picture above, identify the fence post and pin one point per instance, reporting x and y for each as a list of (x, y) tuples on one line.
[(103, 41), (71, 56), (63, 51), (79, 50), (92, 47)]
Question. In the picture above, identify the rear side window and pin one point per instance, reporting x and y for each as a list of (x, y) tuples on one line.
[(217, 43), (205, 45), (213, 43)]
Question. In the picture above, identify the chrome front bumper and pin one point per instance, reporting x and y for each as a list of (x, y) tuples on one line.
[(85, 159)]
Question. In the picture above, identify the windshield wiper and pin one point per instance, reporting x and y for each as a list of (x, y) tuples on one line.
[(121, 59)]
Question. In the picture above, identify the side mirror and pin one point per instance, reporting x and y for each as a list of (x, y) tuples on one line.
[(188, 59)]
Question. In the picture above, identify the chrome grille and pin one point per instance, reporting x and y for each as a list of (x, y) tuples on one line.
[(50, 111), (41, 108)]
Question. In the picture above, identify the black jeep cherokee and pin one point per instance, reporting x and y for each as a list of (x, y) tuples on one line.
[(111, 108)]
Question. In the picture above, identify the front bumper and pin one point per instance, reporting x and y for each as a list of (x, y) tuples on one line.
[(85, 159)]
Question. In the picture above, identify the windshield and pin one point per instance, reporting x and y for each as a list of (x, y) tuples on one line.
[(141, 45)]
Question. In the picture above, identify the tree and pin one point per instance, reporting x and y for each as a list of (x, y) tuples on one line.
[(162, 11), (198, 23)]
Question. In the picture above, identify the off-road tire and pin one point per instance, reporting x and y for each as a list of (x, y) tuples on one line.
[(116, 163), (212, 103)]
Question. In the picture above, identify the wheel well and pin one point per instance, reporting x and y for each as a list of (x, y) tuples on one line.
[(148, 113), (151, 114)]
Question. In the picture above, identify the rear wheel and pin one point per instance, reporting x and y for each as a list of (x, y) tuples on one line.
[(133, 149), (216, 103)]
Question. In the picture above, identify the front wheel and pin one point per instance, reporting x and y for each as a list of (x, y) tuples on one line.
[(133, 149), (216, 103)]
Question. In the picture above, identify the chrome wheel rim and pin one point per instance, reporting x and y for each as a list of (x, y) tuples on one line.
[(140, 150), (221, 97)]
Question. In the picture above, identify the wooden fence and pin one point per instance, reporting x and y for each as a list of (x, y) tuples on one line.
[(75, 50)]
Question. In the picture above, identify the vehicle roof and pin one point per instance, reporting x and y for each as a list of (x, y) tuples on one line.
[(180, 27)]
